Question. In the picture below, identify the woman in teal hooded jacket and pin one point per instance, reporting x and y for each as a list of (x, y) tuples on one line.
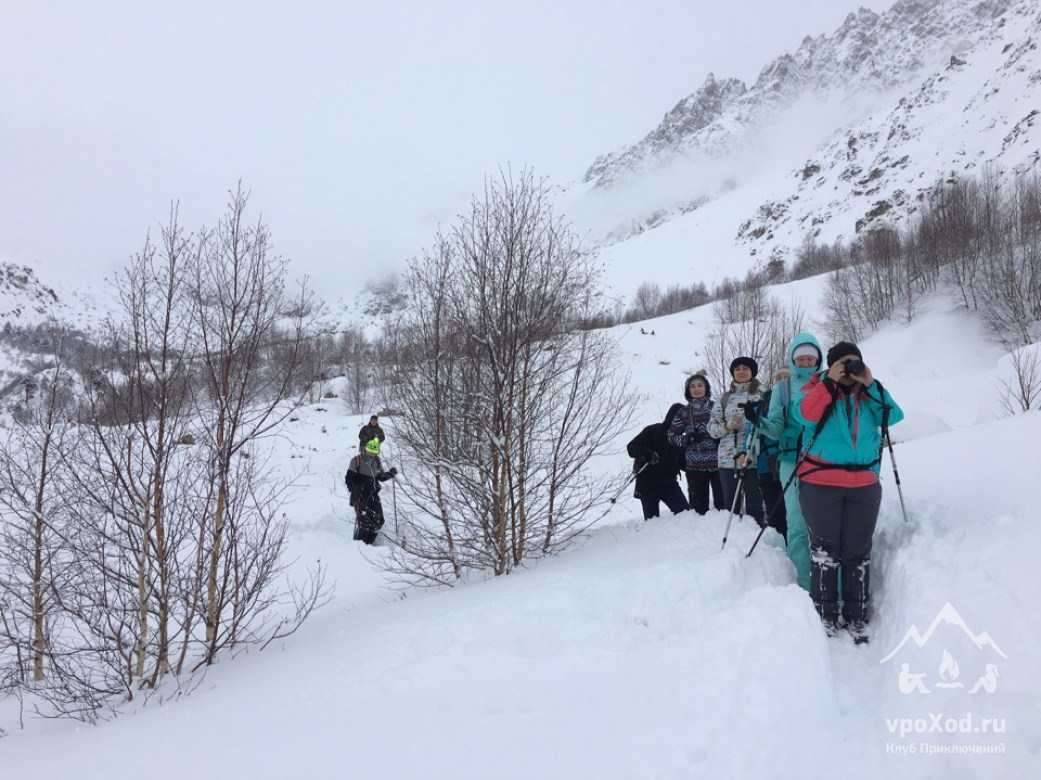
[(781, 423)]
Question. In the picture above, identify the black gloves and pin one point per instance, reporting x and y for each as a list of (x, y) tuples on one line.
[(647, 458), (751, 410), (393, 472)]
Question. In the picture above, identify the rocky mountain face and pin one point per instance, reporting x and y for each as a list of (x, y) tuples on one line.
[(926, 90), (28, 302), (24, 298)]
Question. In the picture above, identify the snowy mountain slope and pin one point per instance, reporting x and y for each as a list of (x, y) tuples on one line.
[(981, 112), (27, 300), (849, 130), (869, 53), (647, 652)]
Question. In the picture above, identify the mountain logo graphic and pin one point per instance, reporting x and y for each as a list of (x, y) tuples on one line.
[(949, 615)]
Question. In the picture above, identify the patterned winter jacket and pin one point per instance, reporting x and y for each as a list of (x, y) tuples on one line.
[(732, 443), (780, 423), (690, 430), (846, 452)]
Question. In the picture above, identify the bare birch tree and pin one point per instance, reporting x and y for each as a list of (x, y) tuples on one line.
[(754, 324), (244, 316), (31, 513), (504, 402)]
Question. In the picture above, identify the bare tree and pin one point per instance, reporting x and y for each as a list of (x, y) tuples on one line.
[(131, 551), (355, 360), (1021, 392), (646, 301), (31, 511), (504, 400), (134, 488), (1010, 287), (243, 315)]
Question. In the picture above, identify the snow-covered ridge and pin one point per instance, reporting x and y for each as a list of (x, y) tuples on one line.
[(849, 129), (978, 112), (27, 301), (870, 53)]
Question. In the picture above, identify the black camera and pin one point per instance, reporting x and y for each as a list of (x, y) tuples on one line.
[(854, 366), (750, 410)]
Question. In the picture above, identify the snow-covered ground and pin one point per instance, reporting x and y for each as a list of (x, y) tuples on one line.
[(647, 652)]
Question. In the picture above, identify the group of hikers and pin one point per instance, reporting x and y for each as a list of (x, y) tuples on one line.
[(802, 457), (363, 478)]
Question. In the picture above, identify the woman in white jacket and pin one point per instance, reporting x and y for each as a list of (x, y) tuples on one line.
[(729, 425)]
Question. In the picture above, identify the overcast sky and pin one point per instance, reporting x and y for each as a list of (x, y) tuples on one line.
[(357, 126)]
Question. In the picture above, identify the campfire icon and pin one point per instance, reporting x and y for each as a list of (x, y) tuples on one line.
[(949, 672)]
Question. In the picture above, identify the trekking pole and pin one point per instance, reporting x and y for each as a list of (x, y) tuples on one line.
[(629, 482), (896, 476), (887, 442), (791, 479), (777, 503), (737, 498), (750, 446), (394, 503)]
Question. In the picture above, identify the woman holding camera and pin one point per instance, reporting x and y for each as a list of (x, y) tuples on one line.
[(729, 425), (845, 408)]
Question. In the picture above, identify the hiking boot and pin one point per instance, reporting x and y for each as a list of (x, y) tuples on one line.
[(858, 630), (831, 627)]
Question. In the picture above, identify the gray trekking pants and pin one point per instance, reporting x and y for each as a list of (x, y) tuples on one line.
[(841, 522)]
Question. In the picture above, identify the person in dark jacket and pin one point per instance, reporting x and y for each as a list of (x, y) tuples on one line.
[(658, 464), (689, 430), (839, 489), (363, 479), (370, 431), (767, 466)]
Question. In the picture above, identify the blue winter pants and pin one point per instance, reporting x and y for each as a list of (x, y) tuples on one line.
[(698, 485), (673, 498), (752, 497)]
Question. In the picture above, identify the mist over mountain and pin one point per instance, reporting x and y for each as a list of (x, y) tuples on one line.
[(849, 130)]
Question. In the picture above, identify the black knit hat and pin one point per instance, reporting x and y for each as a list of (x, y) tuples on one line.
[(701, 378), (744, 361), (842, 349), (671, 414)]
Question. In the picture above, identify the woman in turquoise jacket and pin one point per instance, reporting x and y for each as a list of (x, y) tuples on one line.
[(781, 423), (844, 410)]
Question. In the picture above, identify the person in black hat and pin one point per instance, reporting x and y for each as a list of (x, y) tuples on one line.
[(371, 431), (657, 464), (844, 410), (729, 425)]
